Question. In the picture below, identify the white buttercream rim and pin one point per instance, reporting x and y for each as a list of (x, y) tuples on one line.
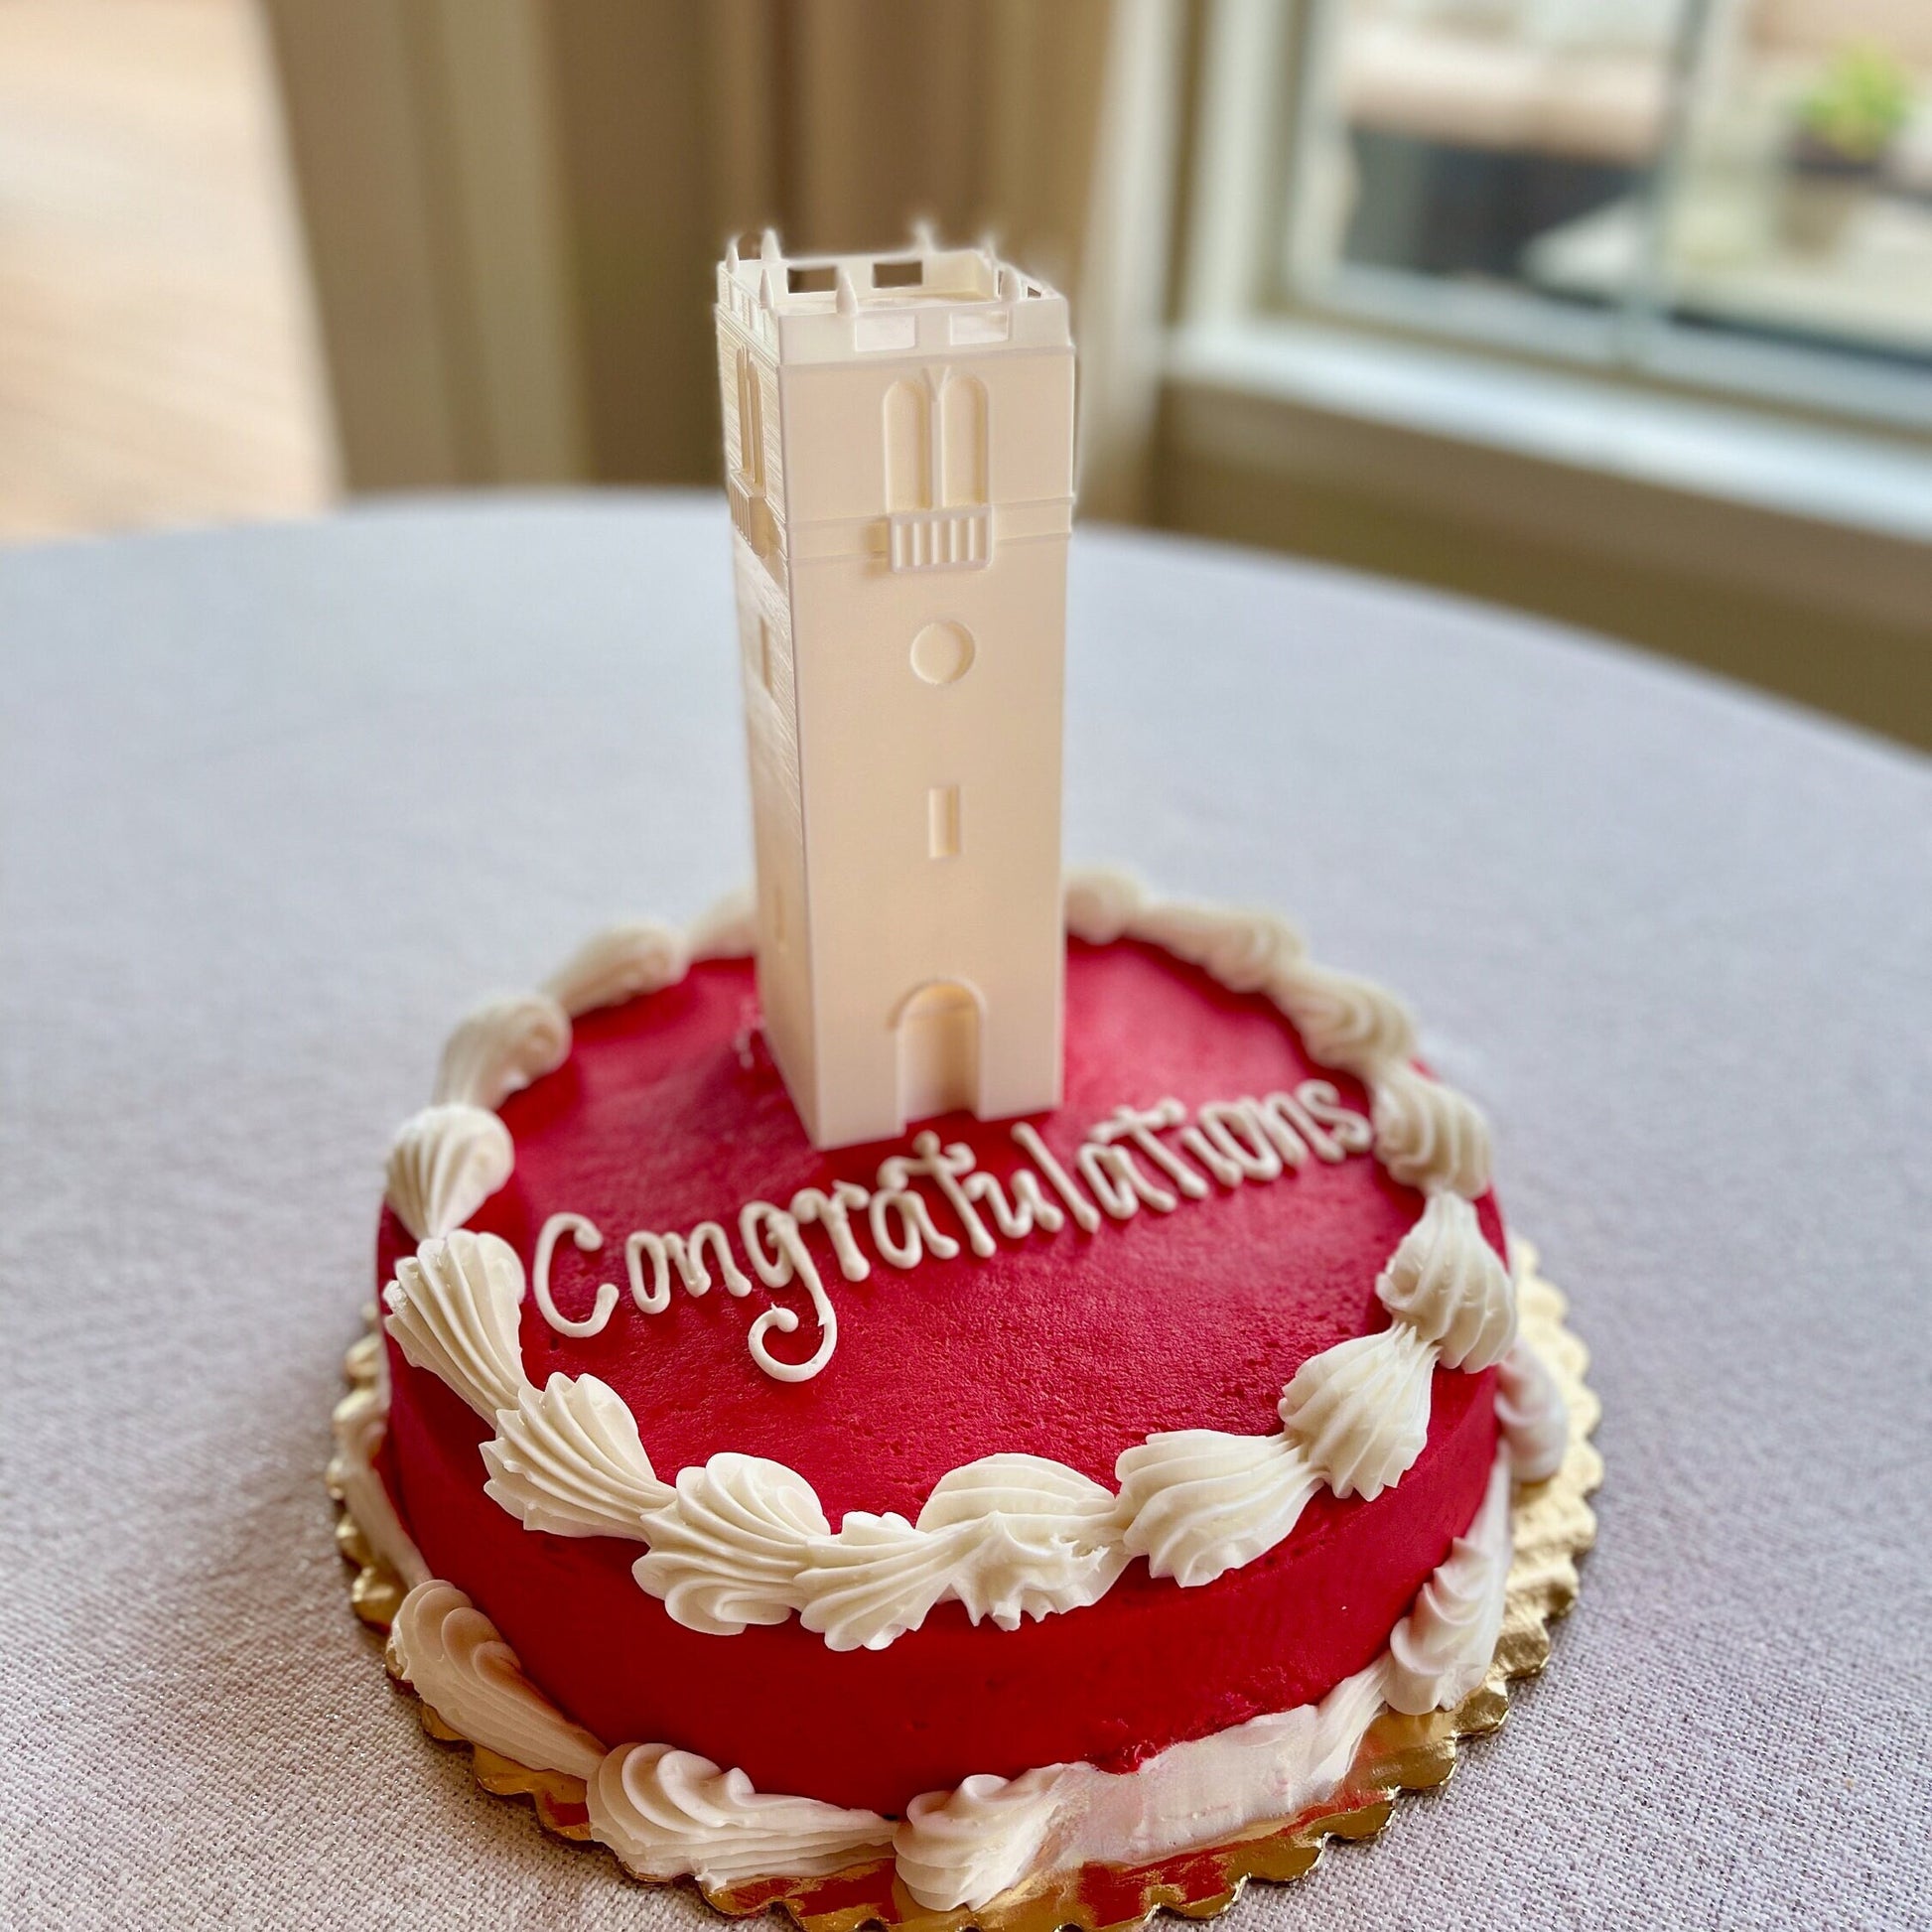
[(669, 1814), (739, 1540)]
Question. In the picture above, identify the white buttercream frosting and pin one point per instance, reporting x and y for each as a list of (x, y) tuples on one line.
[(501, 1047), (567, 1459), (1441, 1650), (450, 1655), (726, 928), (453, 1310), (1449, 1285), (1008, 1536), (730, 1545), (1101, 902), (1345, 1021), (1360, 1410), (1243, 949), (967, 1846), (1199, 1502), (1429, 1136), (1534, 1416), (670, 1814), (619, 963), (444, 1163), (359, 1421)]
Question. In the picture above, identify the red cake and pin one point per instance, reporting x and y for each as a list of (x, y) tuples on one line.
[(1014, 1495)]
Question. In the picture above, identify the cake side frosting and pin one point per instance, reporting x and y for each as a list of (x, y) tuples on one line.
[(668, 1813)]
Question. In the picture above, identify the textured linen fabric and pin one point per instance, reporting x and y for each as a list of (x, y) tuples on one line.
[(277, 807)]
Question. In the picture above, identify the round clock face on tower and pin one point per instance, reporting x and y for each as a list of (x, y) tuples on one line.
[(942, 653)]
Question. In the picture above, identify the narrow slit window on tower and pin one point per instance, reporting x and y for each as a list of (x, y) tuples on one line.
[(943, 822), (764, 651)]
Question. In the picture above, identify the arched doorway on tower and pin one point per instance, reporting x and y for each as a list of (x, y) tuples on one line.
[(938, 1028)]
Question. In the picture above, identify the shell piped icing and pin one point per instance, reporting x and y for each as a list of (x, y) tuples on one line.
[(450, 1655), (1450, 1286), (1440, 1651), (454, 1312), (1534, 1416), (730, 1546), (1345, 1021), (1008, 1536), (726, 928), (1360, 1410), (670, 1814), (967, 1846), (619, 963), (501, 1047), (567, 1459), (446, 1161), (1101, 903), (1431, 1137), (1199, 1502)]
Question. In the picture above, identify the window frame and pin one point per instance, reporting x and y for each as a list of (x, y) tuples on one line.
[(1259, 141)]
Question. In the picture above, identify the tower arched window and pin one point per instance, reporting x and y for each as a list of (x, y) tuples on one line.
[(908, 446), (750, 422), (962, 439)]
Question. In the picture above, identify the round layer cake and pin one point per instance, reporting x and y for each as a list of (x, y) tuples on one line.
[(900, 1479)]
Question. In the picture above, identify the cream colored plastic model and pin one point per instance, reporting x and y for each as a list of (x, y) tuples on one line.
[(898, 454)]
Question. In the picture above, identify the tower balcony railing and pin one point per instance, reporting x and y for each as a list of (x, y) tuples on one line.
[(948, 539)]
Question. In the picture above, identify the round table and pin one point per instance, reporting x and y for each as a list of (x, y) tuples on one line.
[(277, 805)]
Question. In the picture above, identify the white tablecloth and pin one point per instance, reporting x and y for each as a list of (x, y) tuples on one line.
[(277, 806)]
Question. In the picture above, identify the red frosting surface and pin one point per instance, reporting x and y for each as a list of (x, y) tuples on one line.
[(1073, 1346)]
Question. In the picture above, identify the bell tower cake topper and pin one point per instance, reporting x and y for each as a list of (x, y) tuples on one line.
[(899, 454)]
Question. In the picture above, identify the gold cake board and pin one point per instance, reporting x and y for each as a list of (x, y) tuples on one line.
[(1552, 1527)]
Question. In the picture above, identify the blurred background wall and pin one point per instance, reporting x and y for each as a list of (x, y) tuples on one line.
[(1619, 310)]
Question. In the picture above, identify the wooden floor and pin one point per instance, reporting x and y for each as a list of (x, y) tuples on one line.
[(156, 359)]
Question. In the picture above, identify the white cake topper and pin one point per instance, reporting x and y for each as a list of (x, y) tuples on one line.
[(898, 454)]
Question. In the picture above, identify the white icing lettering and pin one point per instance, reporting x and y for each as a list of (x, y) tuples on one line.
[(786, 1260), (833, 1213), (1233, 1129), (917, 1235), (1233, 1141), (1028, 1207), (1085, 1215), (1352, 1131), (1140, 1124), (946, 1167), (688, 1257), (1117, 1183), (589, 1240), (1280, 1129)]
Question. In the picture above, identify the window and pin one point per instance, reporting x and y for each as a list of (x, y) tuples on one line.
[(909, 445), (962, 439), (750, 422), (943, 822), (1731, 195)]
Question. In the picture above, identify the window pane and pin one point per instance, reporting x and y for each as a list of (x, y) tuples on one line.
[(1446, 140), (1735, 191), (1803, 216)]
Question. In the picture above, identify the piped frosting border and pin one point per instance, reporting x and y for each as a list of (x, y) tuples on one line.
[(670, 1814), (743, 1540)]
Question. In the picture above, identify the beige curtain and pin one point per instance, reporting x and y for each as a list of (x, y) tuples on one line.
[(513, 206)]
